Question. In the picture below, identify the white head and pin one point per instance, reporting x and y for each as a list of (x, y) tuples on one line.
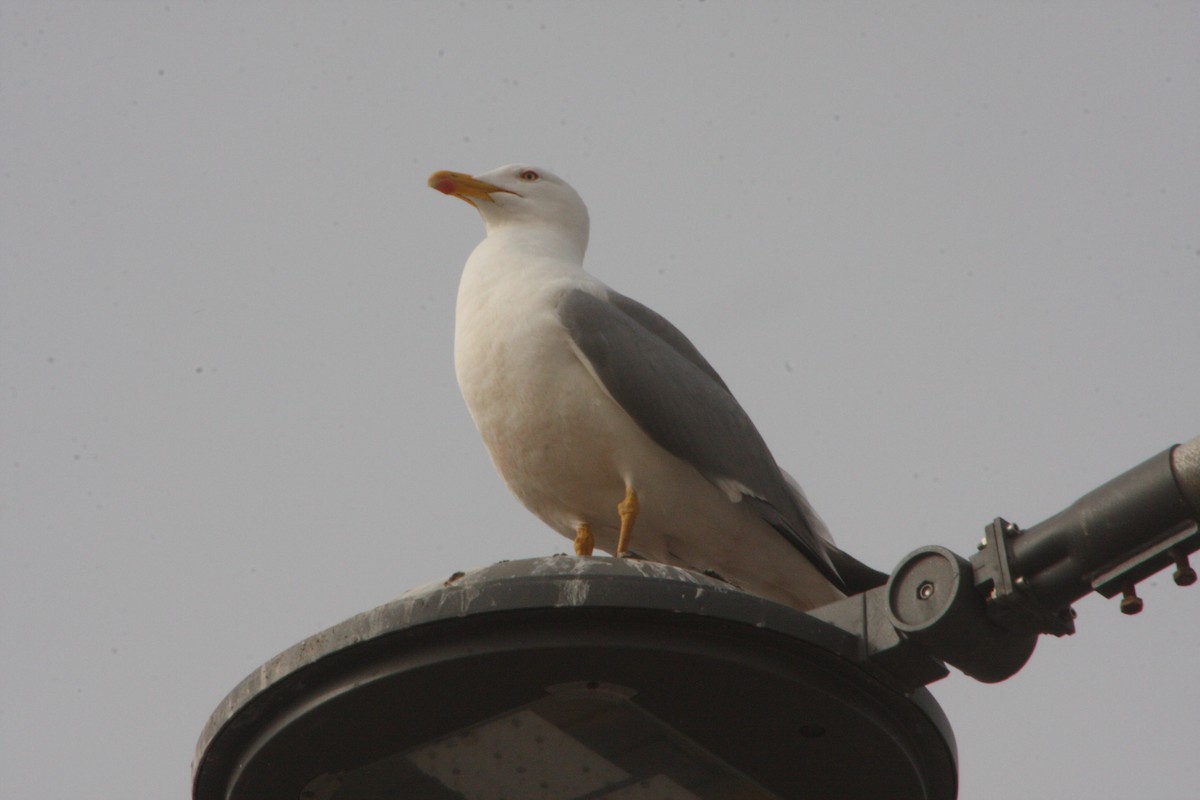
[(520, 195)]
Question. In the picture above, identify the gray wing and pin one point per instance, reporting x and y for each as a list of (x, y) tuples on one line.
[(659, 377), (661, 327)]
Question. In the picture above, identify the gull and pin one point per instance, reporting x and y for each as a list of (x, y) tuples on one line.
[(606, 422)]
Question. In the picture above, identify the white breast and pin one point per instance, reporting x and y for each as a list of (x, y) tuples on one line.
[(546, 426)]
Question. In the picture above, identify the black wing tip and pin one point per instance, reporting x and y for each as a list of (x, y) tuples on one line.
[(854, 577)]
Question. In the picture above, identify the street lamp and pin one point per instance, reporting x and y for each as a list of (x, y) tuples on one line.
[(570, 678), (565, 678)]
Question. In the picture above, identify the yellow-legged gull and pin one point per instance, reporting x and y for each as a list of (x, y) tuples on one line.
[(606, 422)]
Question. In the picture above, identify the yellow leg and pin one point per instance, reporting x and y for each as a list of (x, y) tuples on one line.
[(628, 509), (584, 541)]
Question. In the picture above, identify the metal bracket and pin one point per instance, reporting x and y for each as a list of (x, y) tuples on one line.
[(1124, 577), (1008, 602)]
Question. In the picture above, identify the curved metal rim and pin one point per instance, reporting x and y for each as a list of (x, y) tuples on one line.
[(545, 583)]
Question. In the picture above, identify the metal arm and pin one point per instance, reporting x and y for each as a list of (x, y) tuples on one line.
[(983, 616), (1114, 536)]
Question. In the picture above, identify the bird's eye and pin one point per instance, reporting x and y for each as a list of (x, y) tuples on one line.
[(530, 175)]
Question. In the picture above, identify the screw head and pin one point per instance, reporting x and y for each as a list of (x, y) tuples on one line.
[(1131, 604), (925, 590)]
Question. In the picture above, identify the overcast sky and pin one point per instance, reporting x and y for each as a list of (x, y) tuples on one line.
[(946, 254)]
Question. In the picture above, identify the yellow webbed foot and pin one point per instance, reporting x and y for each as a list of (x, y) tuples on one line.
[(585, 543)]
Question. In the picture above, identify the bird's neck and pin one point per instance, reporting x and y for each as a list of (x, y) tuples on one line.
[(538, 242)]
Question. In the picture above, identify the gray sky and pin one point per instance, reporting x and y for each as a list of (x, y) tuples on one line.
[(947, 256)]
